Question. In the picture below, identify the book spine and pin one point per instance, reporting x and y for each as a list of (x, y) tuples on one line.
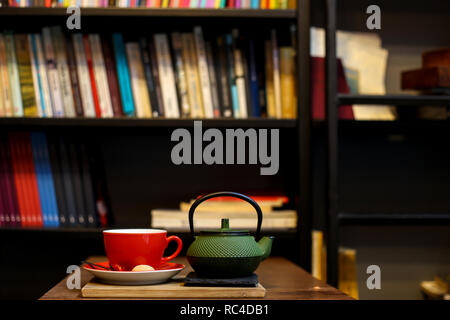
[(138, 82), (123, 75), (193, 81), (5, 210), (9, 184), (92, 218), (90, 64), (145, 53), (101, 80), (224, 87), (232, 76), (75, 174), (83, 76), (52, 74), (63, 70), (44, 85), (203, 73), (13, 73), (212, 80), (72, 218), (167, 79), (112, 78), (155, 73), (239, 75), (180, 75), (38, 94), (270, 96), (276, 74), (287, 82), (78, 102), (4, 78), (254, 85)]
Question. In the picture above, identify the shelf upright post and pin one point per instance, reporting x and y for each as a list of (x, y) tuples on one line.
[(304, 132), (332, 143)]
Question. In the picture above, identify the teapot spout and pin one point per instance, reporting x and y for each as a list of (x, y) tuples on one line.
[(265, 243)]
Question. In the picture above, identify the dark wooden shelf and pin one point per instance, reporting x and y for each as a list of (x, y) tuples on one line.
[(394, 218), (401, 99), (155, 12), (143, 123)]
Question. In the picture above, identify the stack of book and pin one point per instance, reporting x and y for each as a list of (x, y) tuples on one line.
[(181, 75), (47, 183), (211, 4), (241, 214)]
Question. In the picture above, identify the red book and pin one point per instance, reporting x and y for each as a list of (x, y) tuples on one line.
[(231, 4), (48, 3), (318, 90), (19, 179), (87, 48), (31, 180), (112, 78)]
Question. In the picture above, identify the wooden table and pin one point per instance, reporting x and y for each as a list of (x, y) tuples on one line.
[(282, 279)]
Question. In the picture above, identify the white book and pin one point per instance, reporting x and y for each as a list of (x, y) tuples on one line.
[(43, 75), (166, 76), (63, 71), (203, 73), (83, 76), (101, 79), (13, 73), (52, 73), (240, 80), (138, 81), (4, 79), (35, 75), (276, 75)]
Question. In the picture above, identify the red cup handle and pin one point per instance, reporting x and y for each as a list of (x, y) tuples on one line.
[(180, 245)]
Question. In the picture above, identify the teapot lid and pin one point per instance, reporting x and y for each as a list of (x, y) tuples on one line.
[(225, 230)]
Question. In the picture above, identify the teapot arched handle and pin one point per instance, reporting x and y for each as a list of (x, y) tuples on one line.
[(225, 194)]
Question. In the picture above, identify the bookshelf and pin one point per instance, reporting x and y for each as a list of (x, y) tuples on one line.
[(137, 140), (335, 218)]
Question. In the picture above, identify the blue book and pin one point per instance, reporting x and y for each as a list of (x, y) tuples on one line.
[(123, 75), (38, 75), (48, 176), (37, 160), (254, 88), (223, 4), (254, 4)]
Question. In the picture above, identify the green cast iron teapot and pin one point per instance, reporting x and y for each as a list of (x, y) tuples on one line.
[(225, 252)]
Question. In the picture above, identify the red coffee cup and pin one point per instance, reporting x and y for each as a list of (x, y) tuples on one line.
[(127, 248)]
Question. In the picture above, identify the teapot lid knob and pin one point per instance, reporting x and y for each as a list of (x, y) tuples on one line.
[(225, 223)]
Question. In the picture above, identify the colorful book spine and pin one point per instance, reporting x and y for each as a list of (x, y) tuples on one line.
[(123, 75), (52, 73), (208, 104), (4, 78), (101, 79), (166, 76), (232, 76), (90, 65), (71, 60), (112, 78), (138, 81), (44, 84), (83, 76), (39, 96), (59, 45), (13, 73), (239, 76)]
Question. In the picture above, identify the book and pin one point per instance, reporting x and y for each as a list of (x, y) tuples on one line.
[(77, 186), (86, 180), (347, 277), (180, 74), (46, 101), (287, 83), (101, 80), (426, 78), (8, 185), (203, 72), (159, 110), (270, 90), (112, 78), (6, 93), (192, 78), (6, 214), (138, 81), (38, 92), (147, 64), (223, 81), (90, 66), (318, 253), (232, 75), (83, 76), (123, 75), (254, 83), (13, 73), (166, 76), (213, 80), (276, 74), (78, 102), (59, 46)]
